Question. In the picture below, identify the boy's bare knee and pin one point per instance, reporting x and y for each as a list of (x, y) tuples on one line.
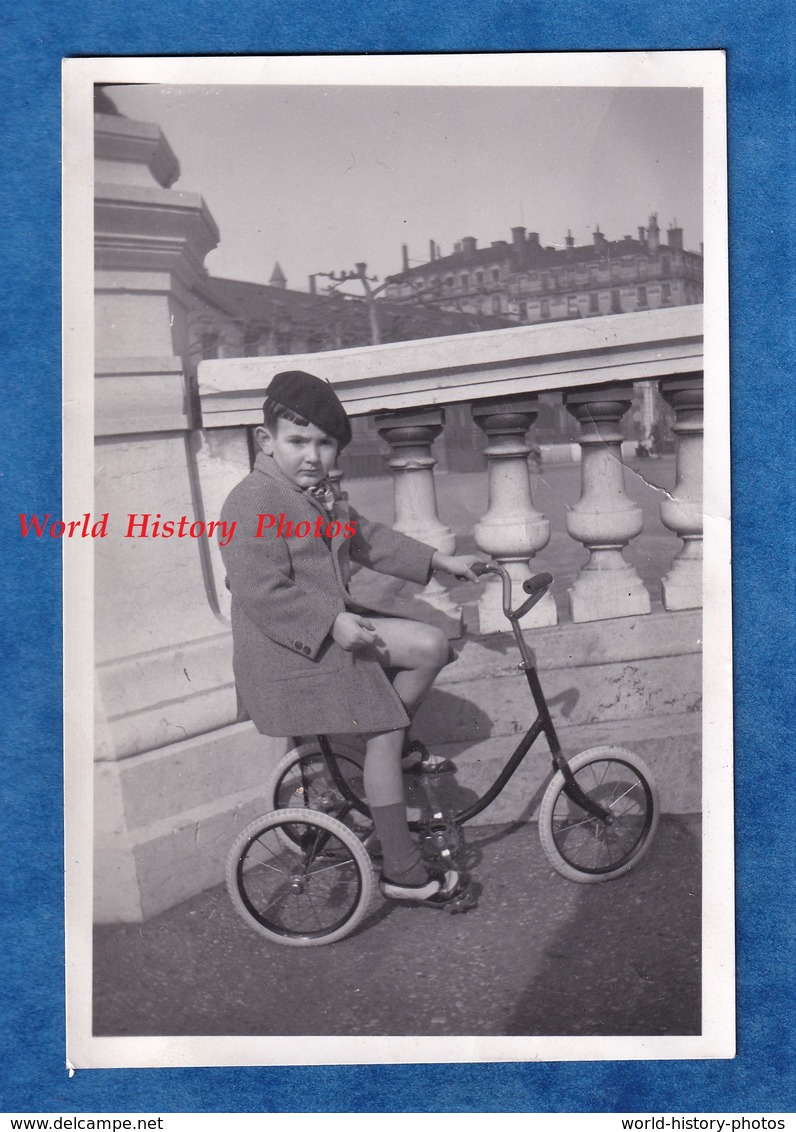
[(436, 647)]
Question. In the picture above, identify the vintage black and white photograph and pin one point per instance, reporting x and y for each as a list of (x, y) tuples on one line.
[(397, 578)]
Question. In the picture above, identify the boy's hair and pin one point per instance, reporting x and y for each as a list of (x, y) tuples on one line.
[(273, 413)]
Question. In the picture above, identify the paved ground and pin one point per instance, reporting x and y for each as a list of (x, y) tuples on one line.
[(540, 955)]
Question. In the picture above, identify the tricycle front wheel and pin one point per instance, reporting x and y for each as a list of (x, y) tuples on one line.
[(590, 849)]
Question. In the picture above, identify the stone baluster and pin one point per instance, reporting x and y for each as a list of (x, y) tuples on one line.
[(604, 519), (511, 531), (682, 511), (410, 436)]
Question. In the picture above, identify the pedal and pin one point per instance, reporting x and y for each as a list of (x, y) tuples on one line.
[(463, 901)]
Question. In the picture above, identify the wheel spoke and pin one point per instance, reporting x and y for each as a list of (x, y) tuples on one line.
[(279, 898), (314, 911), (268, 849), (325, 868), (624, 793)]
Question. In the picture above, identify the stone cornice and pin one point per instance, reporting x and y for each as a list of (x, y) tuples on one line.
[(142, 143), (151, 229)]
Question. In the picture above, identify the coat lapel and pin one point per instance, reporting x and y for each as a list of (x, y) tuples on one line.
[(268, 467)]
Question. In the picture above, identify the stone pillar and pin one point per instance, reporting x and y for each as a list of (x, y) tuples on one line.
[(410, 436), (682, 511), (175, 775), (511, 531), (604, 519)]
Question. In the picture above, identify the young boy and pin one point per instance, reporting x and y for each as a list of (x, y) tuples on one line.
[(309, 659)]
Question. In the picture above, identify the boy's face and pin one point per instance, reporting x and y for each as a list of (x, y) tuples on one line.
[(303, 453)]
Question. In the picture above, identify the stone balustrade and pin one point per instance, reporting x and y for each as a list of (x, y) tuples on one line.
[(594, 365)]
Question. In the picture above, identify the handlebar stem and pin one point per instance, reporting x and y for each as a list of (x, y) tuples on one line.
[(513, 615)]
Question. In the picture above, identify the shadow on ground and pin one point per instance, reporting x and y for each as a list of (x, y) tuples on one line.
[(540, 955)]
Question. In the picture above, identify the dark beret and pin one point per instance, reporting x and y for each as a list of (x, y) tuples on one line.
[(314, 400)]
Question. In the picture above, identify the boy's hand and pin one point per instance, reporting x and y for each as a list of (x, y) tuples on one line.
[(352, 631), (456, 564)]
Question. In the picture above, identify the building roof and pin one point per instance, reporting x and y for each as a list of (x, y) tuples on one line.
[(260, 303), (529, 255), (253, 302)]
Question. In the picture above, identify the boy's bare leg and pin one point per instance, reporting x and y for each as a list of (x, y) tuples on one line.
[(418, 650)]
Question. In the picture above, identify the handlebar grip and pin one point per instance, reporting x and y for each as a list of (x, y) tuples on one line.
[(537, 582), (479, 568)]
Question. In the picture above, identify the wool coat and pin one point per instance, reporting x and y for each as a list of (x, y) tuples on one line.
[(292, 677)]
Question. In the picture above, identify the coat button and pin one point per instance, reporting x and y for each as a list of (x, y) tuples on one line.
[(297, 645), (306, 648)]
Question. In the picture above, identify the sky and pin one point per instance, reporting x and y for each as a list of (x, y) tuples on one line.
[(321, 177)]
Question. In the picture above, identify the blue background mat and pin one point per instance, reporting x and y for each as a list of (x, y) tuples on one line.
[(761, 69)]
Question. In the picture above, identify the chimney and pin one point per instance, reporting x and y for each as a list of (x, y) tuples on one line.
[(570, 240), (642, 234), (469, 245), (600, 242), (518, 237), (405, 256), (674, 236), (653, 233), (313, 287), (432, 251)]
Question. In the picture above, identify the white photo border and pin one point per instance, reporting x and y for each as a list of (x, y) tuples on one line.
[(705, 69)]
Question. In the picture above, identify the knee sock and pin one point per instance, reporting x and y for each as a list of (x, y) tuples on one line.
[(402, 861)]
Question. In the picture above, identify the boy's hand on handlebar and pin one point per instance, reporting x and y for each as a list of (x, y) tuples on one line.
[(352, 631), (457, 564)]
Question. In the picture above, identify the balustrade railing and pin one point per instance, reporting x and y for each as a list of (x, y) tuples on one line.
[(594, 365)]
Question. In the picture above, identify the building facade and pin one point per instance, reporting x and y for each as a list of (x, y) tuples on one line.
[(528, 282)]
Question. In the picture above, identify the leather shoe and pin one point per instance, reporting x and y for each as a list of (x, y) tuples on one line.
[(438, 889)]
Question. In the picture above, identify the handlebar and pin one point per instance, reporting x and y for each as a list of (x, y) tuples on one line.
[(536, 587)]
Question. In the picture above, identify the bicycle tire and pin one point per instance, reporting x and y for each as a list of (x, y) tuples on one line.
[(584, 848), (299, 895), (300, 780)]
